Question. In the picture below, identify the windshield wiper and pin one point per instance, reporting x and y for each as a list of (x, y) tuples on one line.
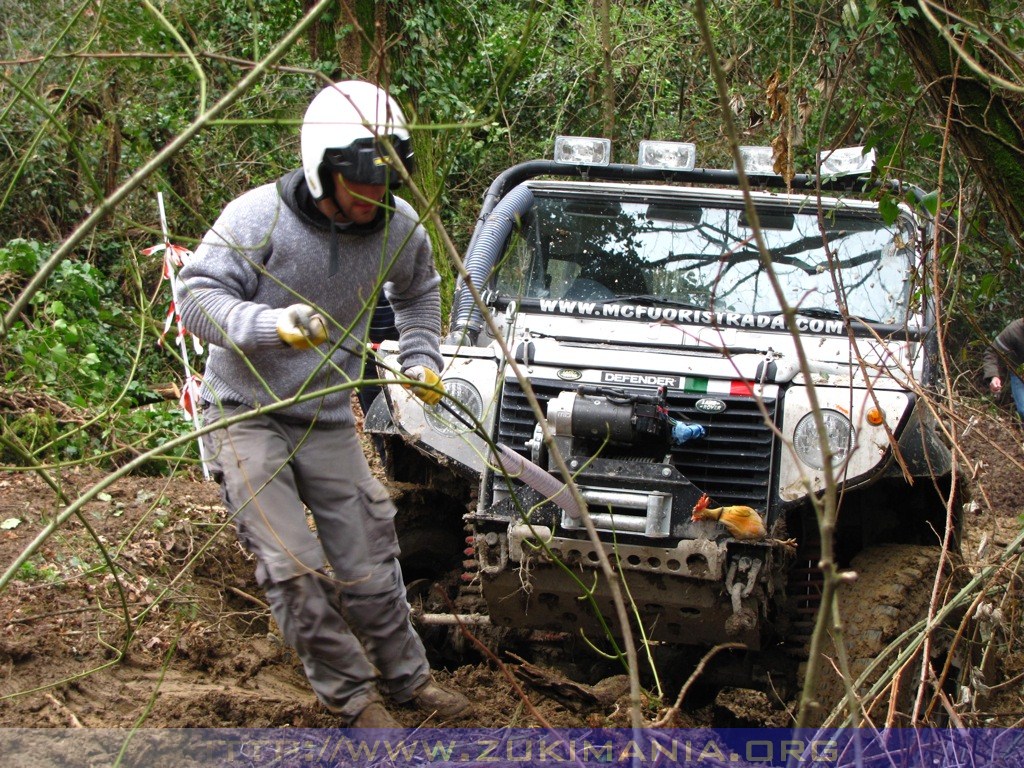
[(823, 312), (654, 298), (819, 312)]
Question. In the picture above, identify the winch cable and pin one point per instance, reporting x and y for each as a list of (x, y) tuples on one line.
[(512, 464)]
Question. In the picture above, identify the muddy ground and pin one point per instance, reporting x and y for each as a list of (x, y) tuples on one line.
[(202, 650)]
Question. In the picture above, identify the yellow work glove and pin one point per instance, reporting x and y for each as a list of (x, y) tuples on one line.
[(299, 326), (430, 379)]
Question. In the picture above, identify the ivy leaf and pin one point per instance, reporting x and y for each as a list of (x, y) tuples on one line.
[(930, 202), (888, 209)]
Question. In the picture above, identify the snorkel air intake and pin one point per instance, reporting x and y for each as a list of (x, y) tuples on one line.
[(481, 255)]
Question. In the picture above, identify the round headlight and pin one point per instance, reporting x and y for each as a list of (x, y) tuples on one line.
[(838, 434), (464, 399)]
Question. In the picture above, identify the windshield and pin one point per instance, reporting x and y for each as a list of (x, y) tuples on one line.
[(703, 255)]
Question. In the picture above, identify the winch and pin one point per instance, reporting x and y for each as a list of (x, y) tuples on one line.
[(618, 416)]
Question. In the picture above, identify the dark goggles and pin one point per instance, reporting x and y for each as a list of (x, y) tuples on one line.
[(364, 161)]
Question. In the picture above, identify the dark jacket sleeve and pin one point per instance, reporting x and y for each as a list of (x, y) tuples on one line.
[(1007, 349)]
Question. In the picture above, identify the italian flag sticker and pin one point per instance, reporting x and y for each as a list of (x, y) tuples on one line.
[(718, 387)]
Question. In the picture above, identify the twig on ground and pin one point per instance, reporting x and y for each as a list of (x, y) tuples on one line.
[(662, 721), (250, 598), (67, 713)]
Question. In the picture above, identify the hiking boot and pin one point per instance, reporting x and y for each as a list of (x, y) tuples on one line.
[(440, 701), (374, 716)]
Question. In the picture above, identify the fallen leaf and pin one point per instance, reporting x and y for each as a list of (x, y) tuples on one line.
[(9, 523)]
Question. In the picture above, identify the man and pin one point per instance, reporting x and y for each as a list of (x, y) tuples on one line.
[(283, 287), (1006, 354)]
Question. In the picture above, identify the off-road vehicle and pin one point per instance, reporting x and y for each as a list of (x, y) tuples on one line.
[(636, 302)]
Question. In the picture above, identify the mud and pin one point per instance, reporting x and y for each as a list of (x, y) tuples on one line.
[(181, 637)]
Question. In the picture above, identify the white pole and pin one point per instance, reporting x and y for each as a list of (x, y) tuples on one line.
[(190, 386)]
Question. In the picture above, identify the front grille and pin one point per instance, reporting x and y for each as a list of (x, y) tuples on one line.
[(732, 463)]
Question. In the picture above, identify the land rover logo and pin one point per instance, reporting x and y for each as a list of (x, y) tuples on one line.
[(710, 405), (569, 374)]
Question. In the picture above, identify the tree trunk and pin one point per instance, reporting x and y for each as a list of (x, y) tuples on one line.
[(608, 86), (361, 50), (350, 37), (986, 123)]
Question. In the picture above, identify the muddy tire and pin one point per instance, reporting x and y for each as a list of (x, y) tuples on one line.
[(429, 553), (431, 565), (891, 593)]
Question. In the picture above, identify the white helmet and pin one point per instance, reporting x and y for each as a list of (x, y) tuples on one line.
[(340, 132)]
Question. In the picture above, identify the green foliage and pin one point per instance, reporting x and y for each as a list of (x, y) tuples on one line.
[(488, 84), (73, 347), (95, 125), (30, 571), (71, 343)]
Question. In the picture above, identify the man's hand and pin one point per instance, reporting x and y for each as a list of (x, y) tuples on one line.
[(301, 327), (428, 377)]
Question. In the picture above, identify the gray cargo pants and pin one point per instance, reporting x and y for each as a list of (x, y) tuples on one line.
[(270, 471)]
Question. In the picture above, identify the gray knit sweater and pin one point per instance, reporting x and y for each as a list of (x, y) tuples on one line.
[(263, 255)]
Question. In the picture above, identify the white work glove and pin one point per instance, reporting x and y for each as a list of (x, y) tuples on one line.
[(299, 326), (430, 379)]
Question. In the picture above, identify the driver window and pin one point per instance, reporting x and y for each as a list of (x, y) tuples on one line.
[(561, 275), (520, 271)]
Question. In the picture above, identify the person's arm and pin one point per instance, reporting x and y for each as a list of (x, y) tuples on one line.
[(1006, 350), (415, 296), (216, 288), (991, 369)]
